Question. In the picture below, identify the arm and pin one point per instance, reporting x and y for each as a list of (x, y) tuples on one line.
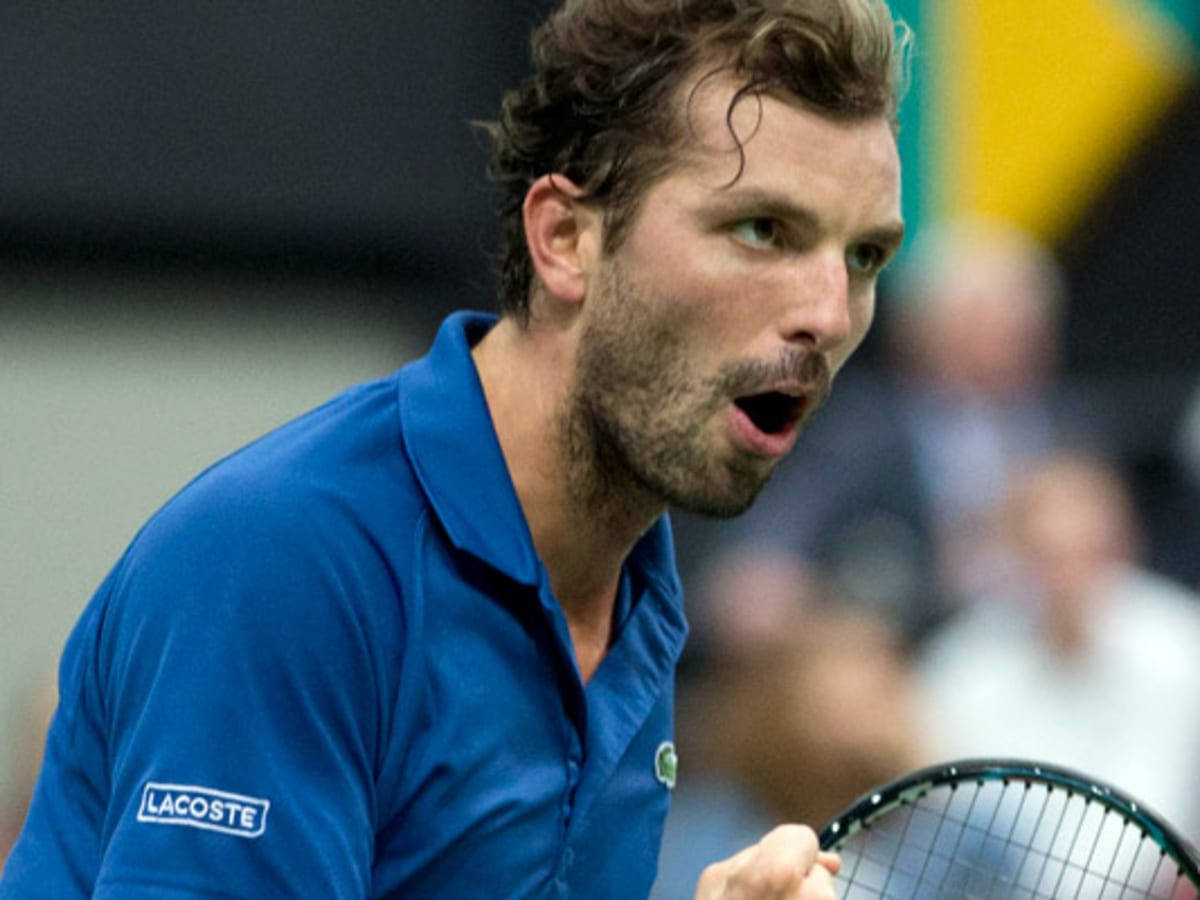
[(243, 704)]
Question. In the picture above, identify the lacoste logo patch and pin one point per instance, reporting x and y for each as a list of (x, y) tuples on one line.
[(666, 764), (201, 807)]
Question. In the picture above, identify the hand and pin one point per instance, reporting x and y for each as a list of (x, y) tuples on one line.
[(786, 864)]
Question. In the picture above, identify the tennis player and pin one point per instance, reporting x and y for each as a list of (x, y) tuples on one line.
[(420, 642)]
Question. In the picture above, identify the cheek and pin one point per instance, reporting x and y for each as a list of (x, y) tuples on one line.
[(865, 316), (730, 323), (862, 315), (709, 297), (707, 311)]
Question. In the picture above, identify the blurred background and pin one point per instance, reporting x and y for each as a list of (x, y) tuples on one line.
[(213, 217)]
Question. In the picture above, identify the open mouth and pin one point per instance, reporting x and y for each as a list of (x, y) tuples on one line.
[(771, 412)]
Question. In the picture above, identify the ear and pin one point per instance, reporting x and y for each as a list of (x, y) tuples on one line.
[(562, 234)]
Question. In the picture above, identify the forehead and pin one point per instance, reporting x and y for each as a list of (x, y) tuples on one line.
[(736, 142)]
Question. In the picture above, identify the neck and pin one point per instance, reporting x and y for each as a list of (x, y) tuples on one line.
[(583, 523)]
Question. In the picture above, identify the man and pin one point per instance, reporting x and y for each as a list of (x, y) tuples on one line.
[(420, 643)]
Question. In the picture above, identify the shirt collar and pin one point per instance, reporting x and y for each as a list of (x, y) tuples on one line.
[(452, 444), (456, 455)]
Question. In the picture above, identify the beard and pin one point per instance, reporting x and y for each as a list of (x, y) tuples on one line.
[(637, 426)]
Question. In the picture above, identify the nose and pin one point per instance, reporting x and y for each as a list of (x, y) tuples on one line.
[(818, 312)]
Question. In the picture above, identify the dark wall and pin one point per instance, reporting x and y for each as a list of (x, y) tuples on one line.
[(1133, 263), (1133, 336), (327, 134), (335, 136)]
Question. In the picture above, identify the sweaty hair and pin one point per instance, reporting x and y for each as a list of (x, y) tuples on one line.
[(604, 105)]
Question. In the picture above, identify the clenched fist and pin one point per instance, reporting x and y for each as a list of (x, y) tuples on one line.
[(787, 864)]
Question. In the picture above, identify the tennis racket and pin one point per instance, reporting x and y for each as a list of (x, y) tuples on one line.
[(989, 829)]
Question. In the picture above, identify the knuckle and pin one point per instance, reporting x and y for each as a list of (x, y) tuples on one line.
[(711, 878), (799, 836), (713, 870), (775, 875)]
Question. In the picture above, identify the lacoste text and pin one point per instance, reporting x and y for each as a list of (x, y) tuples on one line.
[(201, 807)]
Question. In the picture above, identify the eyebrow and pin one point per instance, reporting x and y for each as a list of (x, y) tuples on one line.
[(889, 235)]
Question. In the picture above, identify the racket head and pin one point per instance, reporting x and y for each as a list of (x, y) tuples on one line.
[(1011, 828)]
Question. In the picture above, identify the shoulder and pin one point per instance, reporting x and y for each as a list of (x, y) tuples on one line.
[(315, 483), (307, 530)]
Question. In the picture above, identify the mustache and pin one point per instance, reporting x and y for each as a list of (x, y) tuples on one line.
[(795, 365)]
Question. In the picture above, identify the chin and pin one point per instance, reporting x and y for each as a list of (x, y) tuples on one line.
[(722, 499)]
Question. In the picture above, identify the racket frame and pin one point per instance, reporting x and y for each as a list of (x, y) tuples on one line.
[(911, 787)]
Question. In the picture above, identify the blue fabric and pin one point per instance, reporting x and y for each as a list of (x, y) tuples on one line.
[(332, 667)]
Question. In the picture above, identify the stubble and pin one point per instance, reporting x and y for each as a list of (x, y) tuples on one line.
[(636, 426)]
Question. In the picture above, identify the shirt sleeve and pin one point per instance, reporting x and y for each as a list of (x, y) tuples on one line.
[(241, 663)]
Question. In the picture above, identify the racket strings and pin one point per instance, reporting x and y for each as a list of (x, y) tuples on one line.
[(1005, 840)]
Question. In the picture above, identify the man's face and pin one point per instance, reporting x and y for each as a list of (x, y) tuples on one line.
[(711, 334)]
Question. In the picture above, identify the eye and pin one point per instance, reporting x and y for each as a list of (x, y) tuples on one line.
[(761, 231), (866, 259)]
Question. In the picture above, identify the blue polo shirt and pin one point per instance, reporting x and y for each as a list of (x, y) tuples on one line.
[(332, 667)]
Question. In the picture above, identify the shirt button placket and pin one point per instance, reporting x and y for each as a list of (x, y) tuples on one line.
[(561, 883), (572, 784)]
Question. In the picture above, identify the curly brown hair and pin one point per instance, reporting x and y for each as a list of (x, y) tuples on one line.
[(602, 105)]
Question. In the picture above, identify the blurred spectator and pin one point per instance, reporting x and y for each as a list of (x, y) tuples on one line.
[(1189, 439), (25, 739), (890, 490), (807, 707), (1092, 662), (1185, 511)]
